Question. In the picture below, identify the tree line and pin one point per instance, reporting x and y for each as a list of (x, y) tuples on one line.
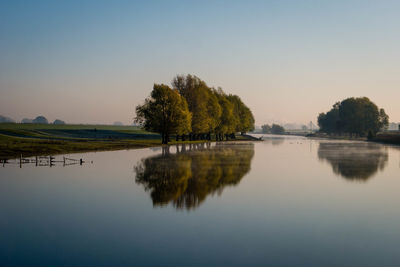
[(37, 120), (355, 116), (191, 109), (274, 129)]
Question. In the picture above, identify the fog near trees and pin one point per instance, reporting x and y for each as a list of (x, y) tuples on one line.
[(4, 119)]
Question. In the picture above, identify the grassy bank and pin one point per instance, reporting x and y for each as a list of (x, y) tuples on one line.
[(388, 137), (391, 137), (43, 139)]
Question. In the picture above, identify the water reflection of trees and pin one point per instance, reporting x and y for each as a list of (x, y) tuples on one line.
[(275, 141), (354, 161), (187, 177)]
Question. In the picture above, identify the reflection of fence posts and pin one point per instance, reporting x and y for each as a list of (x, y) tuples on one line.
[(75, 160), (41, 161), (4, 161)]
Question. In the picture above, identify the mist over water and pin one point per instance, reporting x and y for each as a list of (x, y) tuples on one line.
[(354, 161)]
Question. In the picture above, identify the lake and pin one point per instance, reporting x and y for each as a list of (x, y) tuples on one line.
[(286, 201)]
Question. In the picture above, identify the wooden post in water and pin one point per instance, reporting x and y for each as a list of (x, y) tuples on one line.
[(80, 161), (20, 161), (51, 160)]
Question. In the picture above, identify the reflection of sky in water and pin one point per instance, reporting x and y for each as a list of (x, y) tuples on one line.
[(288, 205)]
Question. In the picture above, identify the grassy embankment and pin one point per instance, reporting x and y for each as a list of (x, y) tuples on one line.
[(390, 137), (46, 139)]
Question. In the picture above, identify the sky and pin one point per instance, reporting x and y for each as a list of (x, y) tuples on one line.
[(94, 61)]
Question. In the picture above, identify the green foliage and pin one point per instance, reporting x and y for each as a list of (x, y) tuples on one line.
[(277, 129), (354, 116), (227, 120), (212, 110), (243, 117), (164, 112), (205, 109), (195, 91)]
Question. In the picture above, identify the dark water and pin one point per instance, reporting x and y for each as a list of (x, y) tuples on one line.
[(282, 202)]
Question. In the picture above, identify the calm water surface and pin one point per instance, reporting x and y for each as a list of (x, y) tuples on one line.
[(287, 201)]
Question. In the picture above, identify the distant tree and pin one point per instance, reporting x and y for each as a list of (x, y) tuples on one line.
[(25, 120), (164, 112), (4, 119), (118, 123), (266, 128), (304, 128), (57, 121), (40, 119), (357, 116), (277, 129)]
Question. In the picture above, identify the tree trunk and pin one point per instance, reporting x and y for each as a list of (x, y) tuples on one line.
[(163, 140)]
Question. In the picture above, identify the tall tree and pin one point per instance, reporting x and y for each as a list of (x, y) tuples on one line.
[(243, 117), (358, 116), (164, 112), (196, 93), (214, 111), (329, 122), (227, 121)]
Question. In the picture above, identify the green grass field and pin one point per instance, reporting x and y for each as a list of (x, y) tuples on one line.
[(34, 126), (44, 139)]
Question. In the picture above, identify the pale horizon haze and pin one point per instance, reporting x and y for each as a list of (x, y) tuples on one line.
[(94, 61)]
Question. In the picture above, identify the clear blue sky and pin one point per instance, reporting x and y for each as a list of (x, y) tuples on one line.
[(93, 61)]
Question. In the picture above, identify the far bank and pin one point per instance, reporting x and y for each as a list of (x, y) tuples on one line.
[(388, 137)]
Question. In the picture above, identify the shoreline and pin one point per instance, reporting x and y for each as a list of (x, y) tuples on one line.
[(389, 138), (14, 147)]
